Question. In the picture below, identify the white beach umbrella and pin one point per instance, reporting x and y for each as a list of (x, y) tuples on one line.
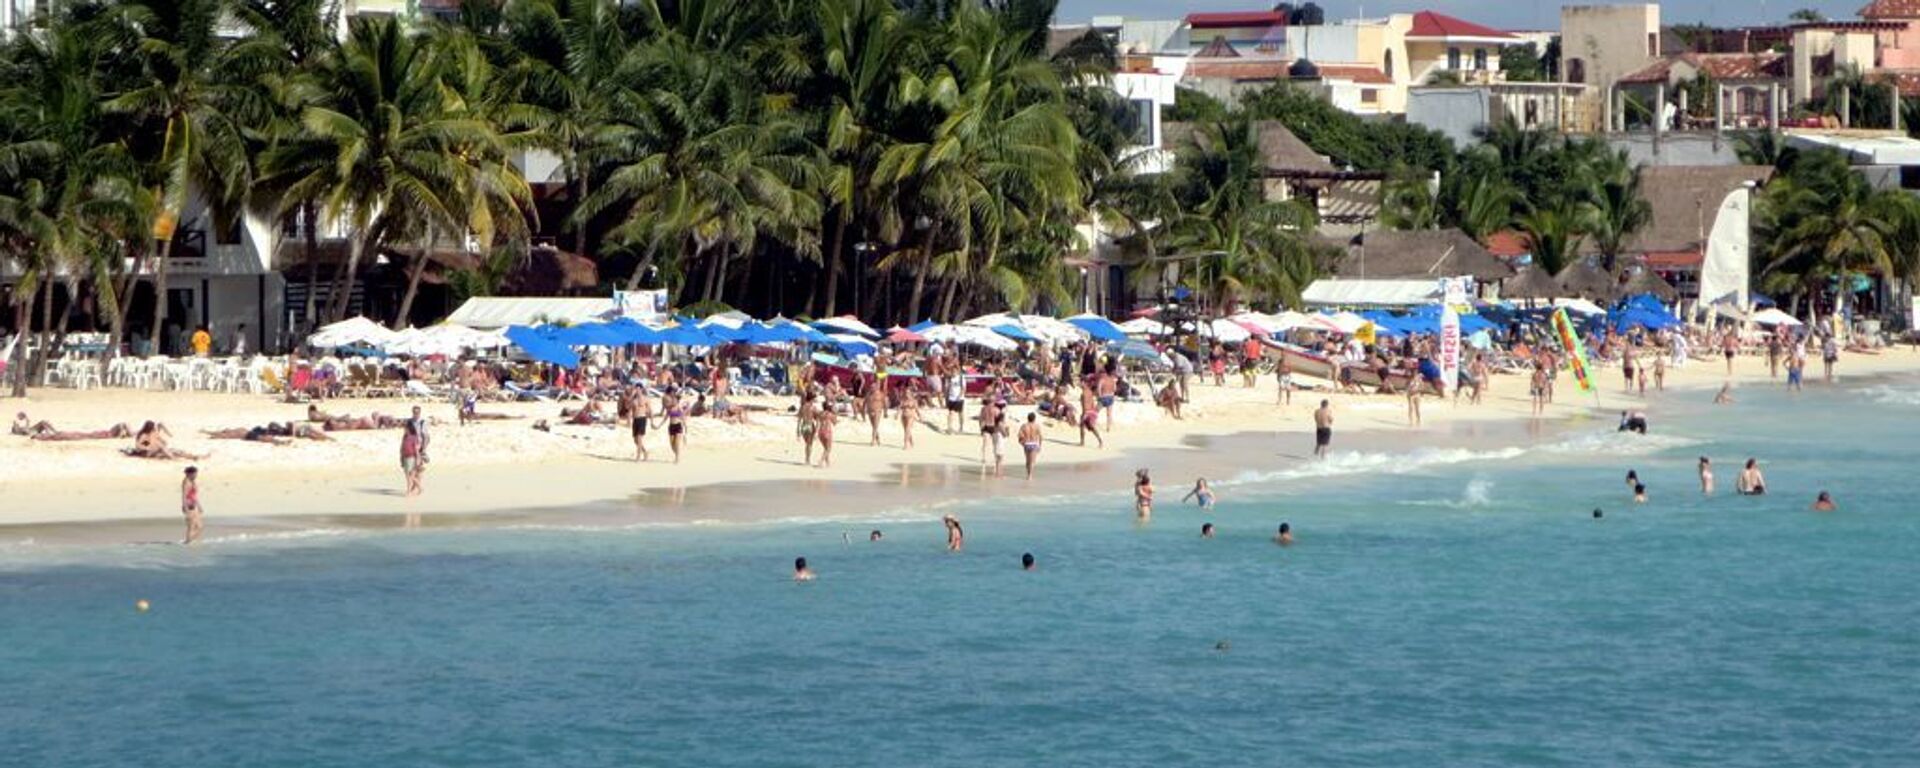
[(1142, 326), (1773, 316), (1052, 329), (847, 324), (1268, 324), (1580, 306), (1289, 320), (358, 330), (1225, 330)]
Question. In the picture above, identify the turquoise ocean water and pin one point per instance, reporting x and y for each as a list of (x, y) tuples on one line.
[(1442, 607)]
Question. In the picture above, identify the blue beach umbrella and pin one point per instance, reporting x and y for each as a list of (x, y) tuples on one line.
[(686, 334), (1014, 332), (1132, 348), (1098, 327), (540, 344)]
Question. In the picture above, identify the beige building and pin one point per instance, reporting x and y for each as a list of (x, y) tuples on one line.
[(1599, 44)]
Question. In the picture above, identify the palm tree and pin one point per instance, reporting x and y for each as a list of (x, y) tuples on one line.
[(863, 47), (1254, 247), (1408, 202), (379, 146), (1823, 223), (1618, 211), (196, 147), (64, 183), (1553, 237), (568, 56)]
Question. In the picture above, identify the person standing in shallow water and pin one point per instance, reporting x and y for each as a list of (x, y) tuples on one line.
[(1142, 495), (190, 504), (1322, 429), (956, 536)]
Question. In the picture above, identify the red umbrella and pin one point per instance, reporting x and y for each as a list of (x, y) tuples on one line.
[(898, 335)]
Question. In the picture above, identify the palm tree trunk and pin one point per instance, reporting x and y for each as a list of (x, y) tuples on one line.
[(337, 310), (159, 294), (717, 273), (646, 262), (833, 266), (313, 260), (413, 288), (46, 328), (125, 305), (746, 279), (946, 297), (920, 275), (22, 311), (581, 182)]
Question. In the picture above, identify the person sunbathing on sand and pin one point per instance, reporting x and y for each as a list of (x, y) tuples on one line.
[(151, 443), (45, 431), (362, 423), (273, 433)]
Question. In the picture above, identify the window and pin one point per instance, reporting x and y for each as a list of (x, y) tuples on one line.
[(1533, 113), (1142, 128), (230, 235), (1453, 59), (1576, 70), (1653, 44), (1369, 96), (1389, 64), (1480, 59)]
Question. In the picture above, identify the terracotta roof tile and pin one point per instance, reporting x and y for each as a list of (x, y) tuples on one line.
[(1507, 244), (1237, 70), (1430, 24), (1356, 73), (1891, 9), (1236, 19), (1719, 66)]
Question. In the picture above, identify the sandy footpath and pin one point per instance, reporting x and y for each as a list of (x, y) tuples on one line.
[(507, 465)]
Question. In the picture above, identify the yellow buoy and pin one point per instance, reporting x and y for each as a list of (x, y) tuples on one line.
[(141, 606)]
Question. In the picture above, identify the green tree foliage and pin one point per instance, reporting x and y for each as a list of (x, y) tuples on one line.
[(1523, 63), (1819, 223)]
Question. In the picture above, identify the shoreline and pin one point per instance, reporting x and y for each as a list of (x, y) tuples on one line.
[(576, 476)]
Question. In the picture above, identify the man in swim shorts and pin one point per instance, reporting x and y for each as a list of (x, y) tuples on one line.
[(1322, 429), (1030, 441)]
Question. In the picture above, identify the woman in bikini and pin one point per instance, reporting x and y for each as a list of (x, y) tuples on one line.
[(1142, 494), (806, 423), (875, 404), (151, 443), (676, 424), (909, 413), (826, 421), (1090, 416)]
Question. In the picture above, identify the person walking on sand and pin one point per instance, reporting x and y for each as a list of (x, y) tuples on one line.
[(1142, 495), (1322, 429), (419, 424), (1090, 417), (805, 423), (1283, 372), (991, 418), (410, 450), (1537, 389), (190, 504), (909, 413), (876, 403), (956, 536), (1829, 354), (1413, 401), (956, 398), (1030, 441), (676, 424), (1730, 346), (640, 410), (825, 419)]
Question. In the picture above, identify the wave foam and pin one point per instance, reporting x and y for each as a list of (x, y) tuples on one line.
[(1889, 395)]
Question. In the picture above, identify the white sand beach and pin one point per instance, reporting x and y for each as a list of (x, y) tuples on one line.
[(507, 466)]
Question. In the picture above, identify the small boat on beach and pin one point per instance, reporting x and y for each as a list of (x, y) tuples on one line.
[(1307, 362)]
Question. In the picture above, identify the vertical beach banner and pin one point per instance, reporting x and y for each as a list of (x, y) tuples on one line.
[(1570, 343), (1449, 349)]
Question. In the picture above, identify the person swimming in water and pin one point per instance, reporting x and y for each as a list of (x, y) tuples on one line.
[(1633, 478), (1206, 530), (1824, 503), (1639, 494), (1633, 421), (1026, 561), (800, 570), (1284, 536), (873, 535), (1751, 482), (1202, 494)]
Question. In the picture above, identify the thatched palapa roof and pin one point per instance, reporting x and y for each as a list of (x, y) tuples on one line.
[(1586, 281), (1530, 282), (1645, 281), (1413, 254)]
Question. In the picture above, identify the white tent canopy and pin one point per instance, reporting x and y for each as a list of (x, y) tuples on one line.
[(1227, 331), (1773, 316), (1143, 326), (969, 334), (357, 330), (493, 312), (1579, 306), (1371, 293)]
